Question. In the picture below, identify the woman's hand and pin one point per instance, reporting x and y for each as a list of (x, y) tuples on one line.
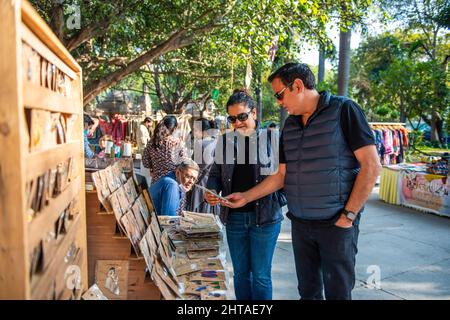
[(211, 199), (235, 200)]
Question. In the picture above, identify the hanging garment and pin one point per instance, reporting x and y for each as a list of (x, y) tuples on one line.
[(405, 137), (378, 135), (400, 156), (388, 142), (395, 142)]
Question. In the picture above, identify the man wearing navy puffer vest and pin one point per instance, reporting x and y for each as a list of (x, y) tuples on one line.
[(328, 167)]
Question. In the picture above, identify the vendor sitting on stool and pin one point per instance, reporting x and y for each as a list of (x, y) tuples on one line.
[(169, 192)]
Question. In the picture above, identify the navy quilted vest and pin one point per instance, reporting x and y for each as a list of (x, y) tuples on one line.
[(320, 167)]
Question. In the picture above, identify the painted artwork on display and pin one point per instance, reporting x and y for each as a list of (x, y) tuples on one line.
[(426, 192)]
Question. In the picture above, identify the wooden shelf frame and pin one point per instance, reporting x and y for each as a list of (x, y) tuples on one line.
[(21, 25)]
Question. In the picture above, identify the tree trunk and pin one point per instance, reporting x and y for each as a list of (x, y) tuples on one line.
[(439, 127), (165, 105), (402, 112), (436, 128), (344, 62), (321, 71), (258, 95), (146, 101), (57, 19)]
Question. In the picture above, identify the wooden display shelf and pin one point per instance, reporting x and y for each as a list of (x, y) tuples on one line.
[(45, 220), (33, 41), (25, 41), (42, 98), (45, 159), (106, 243)]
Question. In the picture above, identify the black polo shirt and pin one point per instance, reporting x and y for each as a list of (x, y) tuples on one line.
[(355, 127)]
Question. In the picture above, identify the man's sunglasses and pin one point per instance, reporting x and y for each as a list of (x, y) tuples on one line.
[(241, 117), (279, 95)]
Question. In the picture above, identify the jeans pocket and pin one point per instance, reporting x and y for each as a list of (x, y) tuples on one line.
[(343, 229)]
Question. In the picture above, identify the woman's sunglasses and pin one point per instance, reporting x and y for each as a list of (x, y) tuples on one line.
[(241, 117)]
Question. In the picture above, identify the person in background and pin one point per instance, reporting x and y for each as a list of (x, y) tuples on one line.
[(142, 174), (272, 126), (143, 135), (102, 145), (169, 192), (204, 145), (252, 230), (164, 151), (88, 123)]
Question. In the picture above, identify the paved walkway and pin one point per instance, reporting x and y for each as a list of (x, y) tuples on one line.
[(411, 250)]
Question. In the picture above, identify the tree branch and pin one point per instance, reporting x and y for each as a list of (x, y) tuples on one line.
[(57, 20), (98, 28), (170, 44), (178, 39), (191, 74), (88, 32), (191, 62), (136, 90)]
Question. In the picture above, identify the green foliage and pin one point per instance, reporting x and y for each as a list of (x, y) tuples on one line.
[(271, 110), (393, 81), (221, 34)]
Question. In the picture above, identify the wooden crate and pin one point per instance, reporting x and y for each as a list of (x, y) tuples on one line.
[(39, 77), (106, 243)]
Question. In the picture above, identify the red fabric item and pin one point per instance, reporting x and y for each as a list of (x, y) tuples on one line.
[(405, 137), (105, 127)]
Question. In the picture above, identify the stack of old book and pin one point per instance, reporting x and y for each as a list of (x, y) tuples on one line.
[(195, 225), (199, 260)]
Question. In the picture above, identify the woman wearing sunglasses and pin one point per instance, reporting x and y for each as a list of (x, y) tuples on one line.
[(252, 230)]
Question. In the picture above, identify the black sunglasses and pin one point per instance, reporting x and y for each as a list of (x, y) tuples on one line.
[(241, 117), (279, 95)]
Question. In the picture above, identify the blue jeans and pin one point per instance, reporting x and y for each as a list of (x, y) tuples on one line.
[(251, 250), (166, 195)]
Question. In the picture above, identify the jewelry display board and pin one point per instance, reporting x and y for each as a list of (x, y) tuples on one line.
[(42, 201)]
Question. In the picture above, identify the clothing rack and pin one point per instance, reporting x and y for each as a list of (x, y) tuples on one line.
[(391, 139), (386, 123)]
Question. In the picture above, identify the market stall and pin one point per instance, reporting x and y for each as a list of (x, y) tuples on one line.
[(111, 194), (158, 256), (423, 186), (411, 185)]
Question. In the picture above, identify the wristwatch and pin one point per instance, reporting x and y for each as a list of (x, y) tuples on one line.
[(350, 215)]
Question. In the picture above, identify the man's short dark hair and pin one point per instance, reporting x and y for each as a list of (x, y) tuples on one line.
[(272, 125), (291, 71)]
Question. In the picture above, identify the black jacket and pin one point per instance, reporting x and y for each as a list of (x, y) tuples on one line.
[(268, 208)]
